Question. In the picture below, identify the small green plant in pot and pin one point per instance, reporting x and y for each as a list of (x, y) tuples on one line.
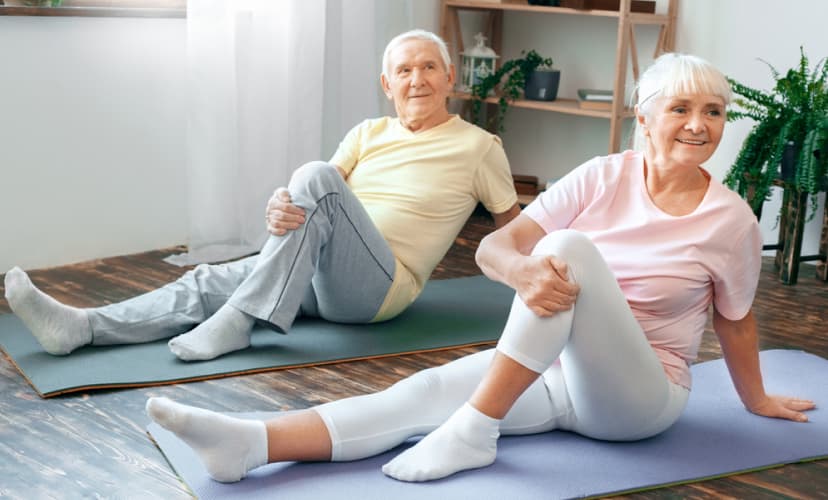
[(33, 3), (793, 116), (511, 79)]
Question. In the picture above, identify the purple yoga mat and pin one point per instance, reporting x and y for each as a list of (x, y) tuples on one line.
[(714, 437)]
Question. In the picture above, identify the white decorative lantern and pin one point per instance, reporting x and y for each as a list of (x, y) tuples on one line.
[(478, 63)]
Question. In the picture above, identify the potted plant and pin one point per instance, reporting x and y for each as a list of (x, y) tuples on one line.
[(511, 78), (32, 3), (792, 117)]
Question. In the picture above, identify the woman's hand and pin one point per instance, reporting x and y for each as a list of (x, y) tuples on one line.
[(542, 283), (282, 215), (783, 407)]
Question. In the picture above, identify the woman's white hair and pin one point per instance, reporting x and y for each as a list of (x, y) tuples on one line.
[(675, 74), (415, 35)]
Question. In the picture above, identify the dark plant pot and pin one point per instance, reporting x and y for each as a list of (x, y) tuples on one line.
[(542, 85), (787, 168)]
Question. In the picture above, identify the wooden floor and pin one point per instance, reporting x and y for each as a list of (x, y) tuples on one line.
[(94, 445)]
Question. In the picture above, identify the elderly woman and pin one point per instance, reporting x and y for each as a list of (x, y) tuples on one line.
[(614, 267)]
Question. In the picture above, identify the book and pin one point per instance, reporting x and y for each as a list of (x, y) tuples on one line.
[(595, 95), (595, 105), (595, 99)]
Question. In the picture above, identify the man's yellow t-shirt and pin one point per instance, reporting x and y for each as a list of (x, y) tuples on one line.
[(420, 188)]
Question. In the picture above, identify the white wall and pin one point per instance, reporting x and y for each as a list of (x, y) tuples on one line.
[(92, 138), (92, 120)]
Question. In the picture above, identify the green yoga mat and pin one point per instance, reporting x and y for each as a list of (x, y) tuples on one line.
[(449, 313)]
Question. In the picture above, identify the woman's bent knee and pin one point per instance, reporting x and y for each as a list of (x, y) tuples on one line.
[(564, 243)]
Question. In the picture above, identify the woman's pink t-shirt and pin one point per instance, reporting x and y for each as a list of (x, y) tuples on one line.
[(670, 268)]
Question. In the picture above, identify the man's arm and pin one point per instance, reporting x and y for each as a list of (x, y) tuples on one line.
[(282, 215), (341, 172), (503, 218)]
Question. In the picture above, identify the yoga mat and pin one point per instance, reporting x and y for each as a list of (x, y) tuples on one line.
[(715, 436), (449, 313)]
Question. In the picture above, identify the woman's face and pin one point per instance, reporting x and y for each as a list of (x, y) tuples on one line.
[(684, 129)]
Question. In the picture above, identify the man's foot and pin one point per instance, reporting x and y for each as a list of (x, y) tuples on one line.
[(467, 440), (228, 447), (60, 329), (226, 331)]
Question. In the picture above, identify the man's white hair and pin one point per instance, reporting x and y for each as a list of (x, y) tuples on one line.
[(417, 34)]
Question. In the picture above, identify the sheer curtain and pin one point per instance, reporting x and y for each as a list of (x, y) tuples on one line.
[(274, 84)]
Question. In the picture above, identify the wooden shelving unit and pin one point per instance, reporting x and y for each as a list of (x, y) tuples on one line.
[(626, 51)]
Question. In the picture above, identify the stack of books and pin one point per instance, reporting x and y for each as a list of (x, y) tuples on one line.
[(600, 100)]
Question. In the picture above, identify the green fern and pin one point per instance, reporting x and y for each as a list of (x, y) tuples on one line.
[(795, 110)]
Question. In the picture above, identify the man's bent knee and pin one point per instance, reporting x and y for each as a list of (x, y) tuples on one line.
[(316, 179)]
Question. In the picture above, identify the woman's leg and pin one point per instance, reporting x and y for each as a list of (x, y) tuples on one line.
[(614, 380), (337, 248), (347, 429)]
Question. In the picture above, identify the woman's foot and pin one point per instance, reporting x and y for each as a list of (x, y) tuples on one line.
[(228, 447), (467, 440), (60, 329)]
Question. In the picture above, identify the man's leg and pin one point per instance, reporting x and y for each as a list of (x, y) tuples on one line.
[(162, 313), (338, 250)]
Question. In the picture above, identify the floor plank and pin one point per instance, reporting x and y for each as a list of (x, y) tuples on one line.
[(94, 444)]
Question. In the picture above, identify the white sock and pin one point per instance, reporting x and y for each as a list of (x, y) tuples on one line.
[(228, 447), (467, 440), (225, 331), (60, 329)]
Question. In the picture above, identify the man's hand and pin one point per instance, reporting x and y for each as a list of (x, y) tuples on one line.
[(542, 282), (282, 215)]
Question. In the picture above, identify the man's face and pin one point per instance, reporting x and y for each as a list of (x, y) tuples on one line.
[(418, 83)]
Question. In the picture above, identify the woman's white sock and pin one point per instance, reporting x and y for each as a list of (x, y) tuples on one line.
[(228, 447), (60, 329), (467, 440)]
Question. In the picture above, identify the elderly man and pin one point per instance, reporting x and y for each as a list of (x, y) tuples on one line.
[(352, 240)]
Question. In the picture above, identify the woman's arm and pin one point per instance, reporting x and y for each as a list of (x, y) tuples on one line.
[(541, 281), (739, 341)]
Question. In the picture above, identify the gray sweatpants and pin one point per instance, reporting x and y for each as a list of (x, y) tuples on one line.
[(336, 266)]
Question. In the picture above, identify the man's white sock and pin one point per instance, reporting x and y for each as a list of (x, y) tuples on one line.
[(467, 440), (60, 329), (228, 447), (225, 331)]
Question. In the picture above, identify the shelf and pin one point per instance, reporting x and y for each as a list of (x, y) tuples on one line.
[(515, 6), (626, 49), (566, 106)]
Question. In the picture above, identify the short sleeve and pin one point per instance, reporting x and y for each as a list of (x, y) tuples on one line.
[(735, 287), (347, 154), (561, 203), (493, 184)]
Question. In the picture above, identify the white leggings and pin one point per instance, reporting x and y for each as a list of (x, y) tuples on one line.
[(600, 377)]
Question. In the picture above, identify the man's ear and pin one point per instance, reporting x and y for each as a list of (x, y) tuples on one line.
[(452, 74), (386, 87)]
